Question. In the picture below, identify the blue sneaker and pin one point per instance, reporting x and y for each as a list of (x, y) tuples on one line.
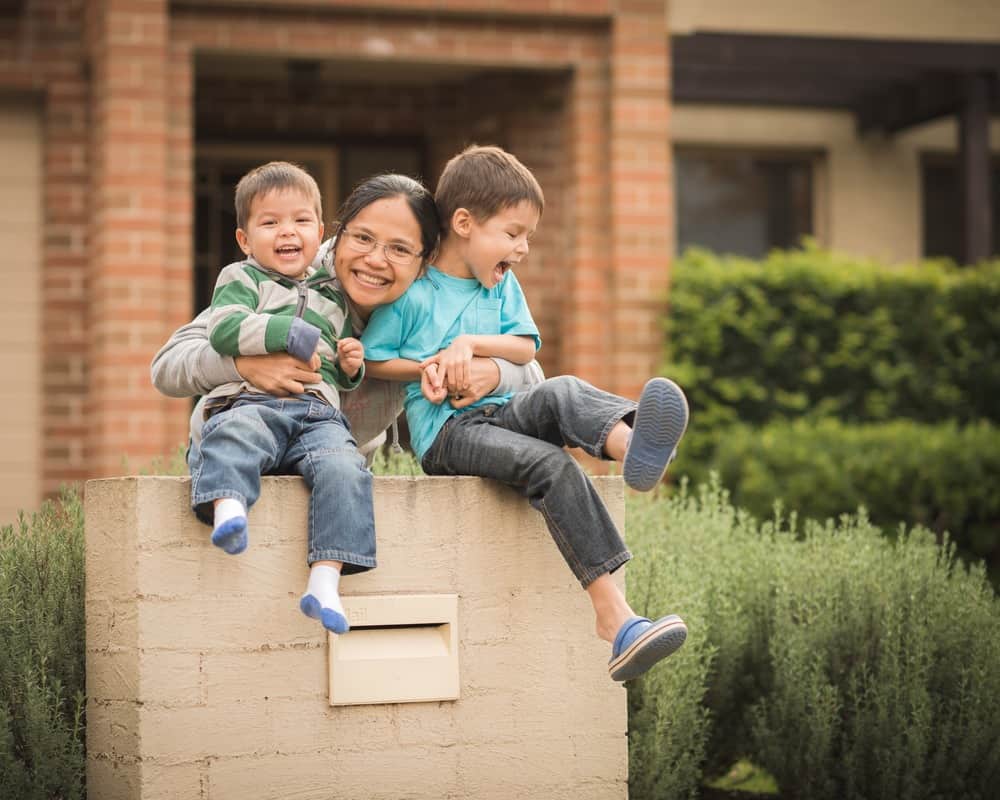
[(641, 643), (660, 422)]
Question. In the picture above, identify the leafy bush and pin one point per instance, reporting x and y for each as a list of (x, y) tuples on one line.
[(940, 476), (808, 332), (845, 664), (42, 752)]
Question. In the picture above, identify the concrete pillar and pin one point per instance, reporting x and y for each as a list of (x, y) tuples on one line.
[(205, 681)]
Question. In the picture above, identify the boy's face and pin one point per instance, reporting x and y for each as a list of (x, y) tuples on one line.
[(498, 243), (283, 232)]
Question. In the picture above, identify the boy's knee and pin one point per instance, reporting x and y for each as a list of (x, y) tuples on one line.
[(558, 464), (341, 466), (563, 386)]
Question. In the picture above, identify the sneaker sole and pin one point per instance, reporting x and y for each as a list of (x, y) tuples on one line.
[(653, 646), (660, 422)]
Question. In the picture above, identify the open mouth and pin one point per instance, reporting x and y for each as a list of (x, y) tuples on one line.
[(288, 251), (500, 270)]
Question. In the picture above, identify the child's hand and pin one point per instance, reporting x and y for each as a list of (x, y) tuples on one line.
[(351, 354), (431, 386), (315, 362), (455, 363)]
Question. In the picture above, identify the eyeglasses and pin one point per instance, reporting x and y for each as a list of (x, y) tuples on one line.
[(364, 243)]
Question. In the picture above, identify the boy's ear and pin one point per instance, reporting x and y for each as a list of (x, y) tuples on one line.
[(461, 222), (242, 240)]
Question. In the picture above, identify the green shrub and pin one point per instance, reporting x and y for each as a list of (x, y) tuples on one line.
[(845, 664), (42, 752), (808, 332), (940, 476)]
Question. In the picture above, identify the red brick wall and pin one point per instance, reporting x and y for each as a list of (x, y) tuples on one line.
[(583, 102)]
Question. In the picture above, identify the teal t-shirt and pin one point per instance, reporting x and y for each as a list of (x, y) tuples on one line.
[(436, 309)]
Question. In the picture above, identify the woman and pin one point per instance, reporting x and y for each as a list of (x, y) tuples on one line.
[(378, 227)]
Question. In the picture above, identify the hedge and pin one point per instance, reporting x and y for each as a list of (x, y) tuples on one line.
[(42, 654), (941, 476), (847, 665), (809, 332)]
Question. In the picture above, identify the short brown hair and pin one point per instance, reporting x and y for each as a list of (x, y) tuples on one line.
[(270, 177), (484, 180)]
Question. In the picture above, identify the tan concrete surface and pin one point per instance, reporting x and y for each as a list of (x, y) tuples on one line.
[(22, 239), (971, 20), (867, 190), (205, 681)]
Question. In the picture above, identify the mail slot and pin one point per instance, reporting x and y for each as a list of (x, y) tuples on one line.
[(400, 649)]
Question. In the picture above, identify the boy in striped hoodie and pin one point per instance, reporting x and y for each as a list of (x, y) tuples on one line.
[(275, 300)]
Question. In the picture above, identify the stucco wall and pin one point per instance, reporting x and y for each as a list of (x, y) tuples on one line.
[(21, 326), (972, 20), (867, 192), (205, 681)]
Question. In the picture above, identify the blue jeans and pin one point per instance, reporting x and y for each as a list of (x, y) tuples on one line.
[(521, 443), (263, 435)]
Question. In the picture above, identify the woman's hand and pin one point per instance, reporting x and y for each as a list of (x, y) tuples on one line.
[(484, 377), (279, 373)]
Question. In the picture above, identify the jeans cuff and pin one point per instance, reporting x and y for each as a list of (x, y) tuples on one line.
[(202, 502), (352, 561), (598, 451), (606, 568)]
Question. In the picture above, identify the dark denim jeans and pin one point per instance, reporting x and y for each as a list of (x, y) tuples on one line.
[(262, 435), (521, 444)]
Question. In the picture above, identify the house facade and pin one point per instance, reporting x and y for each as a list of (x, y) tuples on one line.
[(650, 125)]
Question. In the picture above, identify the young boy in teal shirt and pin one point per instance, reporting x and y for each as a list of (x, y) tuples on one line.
[(470, 304)]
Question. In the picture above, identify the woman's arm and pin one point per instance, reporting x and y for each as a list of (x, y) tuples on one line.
[(513, 377), (496, 376), (188, 365)]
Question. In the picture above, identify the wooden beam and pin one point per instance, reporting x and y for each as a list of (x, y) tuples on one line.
[(974, 166), (890, 84), (903, 105)]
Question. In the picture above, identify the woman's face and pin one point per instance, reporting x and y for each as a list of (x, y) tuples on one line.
[(370, 279)]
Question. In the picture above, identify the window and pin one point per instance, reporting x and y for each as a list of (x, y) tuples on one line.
[(740, 202), (361, 161), (943, 214)]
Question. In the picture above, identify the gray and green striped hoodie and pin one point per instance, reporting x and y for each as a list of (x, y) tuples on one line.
[(256, 311)]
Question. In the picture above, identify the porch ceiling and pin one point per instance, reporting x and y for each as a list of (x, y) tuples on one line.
[(890, 85), (336, 71)]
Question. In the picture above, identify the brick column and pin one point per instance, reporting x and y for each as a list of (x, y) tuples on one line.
[(53, 55), (641, 241), (127, 279), (177, 301), (586, 335)]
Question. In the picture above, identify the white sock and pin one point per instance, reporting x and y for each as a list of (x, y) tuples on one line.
[(227, 509), (324, 585)]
